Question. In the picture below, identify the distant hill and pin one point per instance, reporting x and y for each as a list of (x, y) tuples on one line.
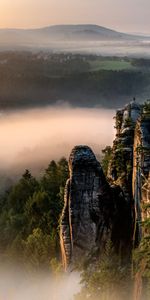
[(80, 32), (47, 36)]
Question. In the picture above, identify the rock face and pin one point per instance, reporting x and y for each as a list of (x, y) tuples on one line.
[(121, 164), (78, 230), (97, 209), (94, 211), (130, 163), (141, 171)]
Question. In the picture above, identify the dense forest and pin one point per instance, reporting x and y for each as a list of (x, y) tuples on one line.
[(29, 225), (30, 79), (29, 218)]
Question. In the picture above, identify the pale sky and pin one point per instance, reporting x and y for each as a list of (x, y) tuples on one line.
[(123, 15)]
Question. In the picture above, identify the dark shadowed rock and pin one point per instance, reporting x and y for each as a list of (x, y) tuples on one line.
[(87, 181), (130, 163), (94, 212)]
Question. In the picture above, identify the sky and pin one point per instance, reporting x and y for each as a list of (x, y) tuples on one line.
[(122, 15)]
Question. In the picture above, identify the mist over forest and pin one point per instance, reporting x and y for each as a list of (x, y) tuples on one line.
[(60, 86), (31, 138), (16, 285)]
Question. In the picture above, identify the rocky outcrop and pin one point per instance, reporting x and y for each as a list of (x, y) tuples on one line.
[(141, 171), (121, 164), (86, 182), (130, 163), (94, 211), (98, 209)]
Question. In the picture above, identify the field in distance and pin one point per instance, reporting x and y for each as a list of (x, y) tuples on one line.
[(29, 79), (111, 64)]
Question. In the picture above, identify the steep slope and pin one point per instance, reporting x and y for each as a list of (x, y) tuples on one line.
[(94, 211), (97, 210), (141, 170), (120, 166)]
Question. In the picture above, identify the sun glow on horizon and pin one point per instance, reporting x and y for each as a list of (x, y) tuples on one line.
[(108, 13)]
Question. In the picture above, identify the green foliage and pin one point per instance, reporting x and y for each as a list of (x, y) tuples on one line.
[(109, 64), (106, 279), (29, 217), (38, 249), (120, 160), (107, 152), (141, 63), (142, 254), (75, 77), (56, 267), (118, 120), (128, 123), (129, 168), (146, 109)]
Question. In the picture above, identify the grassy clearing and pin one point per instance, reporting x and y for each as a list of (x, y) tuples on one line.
[(114, 65)]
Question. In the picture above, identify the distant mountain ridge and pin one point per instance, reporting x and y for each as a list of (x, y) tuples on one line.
[(61, 33), (81, 31)]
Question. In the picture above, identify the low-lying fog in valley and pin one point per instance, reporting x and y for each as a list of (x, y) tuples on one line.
[(32, 138), (105, 48), (19, 286)]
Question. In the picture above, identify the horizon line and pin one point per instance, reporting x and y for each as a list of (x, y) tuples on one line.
[(59, 24)]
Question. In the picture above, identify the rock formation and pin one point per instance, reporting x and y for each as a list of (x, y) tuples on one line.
[(141, 170), (130, 163), (98, 209), (120, 167), (94, 211), (87, 181)]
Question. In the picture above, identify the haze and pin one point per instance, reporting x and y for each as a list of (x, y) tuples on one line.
[(16, 285), (31, 138), (128, 16)]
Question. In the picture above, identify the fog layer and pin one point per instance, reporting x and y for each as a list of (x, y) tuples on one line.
[(19, 286), (31, 138)]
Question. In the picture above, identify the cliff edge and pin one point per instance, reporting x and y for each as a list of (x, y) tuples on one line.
[(99, 208)]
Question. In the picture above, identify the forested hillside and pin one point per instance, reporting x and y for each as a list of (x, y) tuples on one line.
[(36, 79)]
